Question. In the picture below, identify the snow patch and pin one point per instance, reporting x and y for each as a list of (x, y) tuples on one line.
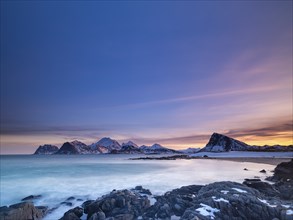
[(286, 206), (266, 202), (220, 199), (289, 212), (240, 190), (206, 210), (152, 199), (224, 191)]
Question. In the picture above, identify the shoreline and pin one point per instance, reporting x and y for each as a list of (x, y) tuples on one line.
[(260, 160), (220, 199), (217, 200), (270, 161)]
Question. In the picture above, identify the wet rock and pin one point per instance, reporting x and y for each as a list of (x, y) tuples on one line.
[(174, 202), (285, 188), (21, 211), (142, 190), (283, 171), (120, 204), (229, 200), (43, 209), (98, 216), (31, 197), (70, 198), (66, 203), (253, 180), (263, 187), (73, 214)]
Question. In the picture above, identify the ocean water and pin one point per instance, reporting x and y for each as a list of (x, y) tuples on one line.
[(57, 177)]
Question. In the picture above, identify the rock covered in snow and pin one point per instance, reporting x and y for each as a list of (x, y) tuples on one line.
[(46, 149)]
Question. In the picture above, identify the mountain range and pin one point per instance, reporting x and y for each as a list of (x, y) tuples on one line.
[(105, 145), (217, 143)]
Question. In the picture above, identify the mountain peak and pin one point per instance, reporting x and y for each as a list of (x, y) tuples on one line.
[(219, 143), (130, 143), (77, 143), (106, 145), (46, 149)]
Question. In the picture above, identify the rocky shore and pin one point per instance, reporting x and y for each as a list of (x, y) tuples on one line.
[(251, 200)]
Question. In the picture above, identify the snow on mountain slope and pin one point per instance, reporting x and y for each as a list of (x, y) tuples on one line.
[(222, 143), (46, 149), (74, 147), (105, 145), (130, 143), (156, 149), (190, 150)]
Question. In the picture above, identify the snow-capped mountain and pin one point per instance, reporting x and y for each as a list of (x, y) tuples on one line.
[(105, 145), (128, 148), (222, 143), (156, 149), (74, 147), (190, 150), (46, 149), (130, 143)]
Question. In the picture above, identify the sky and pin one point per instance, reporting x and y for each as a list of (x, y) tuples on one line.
[(171, 72)]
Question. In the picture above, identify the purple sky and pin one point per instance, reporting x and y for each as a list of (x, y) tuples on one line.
[(168, 72)]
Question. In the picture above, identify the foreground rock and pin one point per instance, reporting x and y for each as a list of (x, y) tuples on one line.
[(283, 172), (252, 200), (22, 211), (124, 204)]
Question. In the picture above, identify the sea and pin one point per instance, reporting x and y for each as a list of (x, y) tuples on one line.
[(84, 177)]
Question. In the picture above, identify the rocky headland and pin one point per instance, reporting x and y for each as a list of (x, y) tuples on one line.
[(252, 200)]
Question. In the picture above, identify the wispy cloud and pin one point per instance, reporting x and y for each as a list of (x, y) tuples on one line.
[(223, 93), (266, 134)]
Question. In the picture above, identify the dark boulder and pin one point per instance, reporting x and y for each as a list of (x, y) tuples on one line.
[(174, 202), (120, 204), (285, 188), (142, 190), (283, 171), (66, 203), (73, 214), (263, 187)]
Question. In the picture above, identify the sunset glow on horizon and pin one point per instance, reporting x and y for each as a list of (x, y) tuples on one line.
[(167, 72)]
